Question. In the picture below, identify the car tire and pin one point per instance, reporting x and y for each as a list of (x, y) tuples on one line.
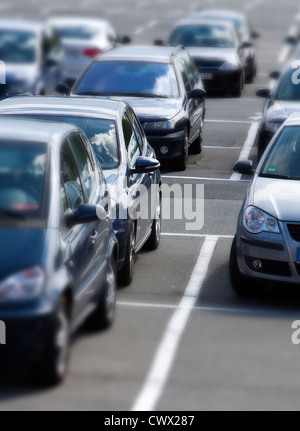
[(125, 275), (52, 368), (241, 284), (103, 316), (154, 239), (196, 146), (182, 161)]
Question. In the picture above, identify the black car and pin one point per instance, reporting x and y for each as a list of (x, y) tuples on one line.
[(281, 101), (121, 148), (216, 50), (164, 88), (245, 33), (58, 249)]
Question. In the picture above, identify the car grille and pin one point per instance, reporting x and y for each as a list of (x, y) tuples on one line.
[(271, 267), (208, 63), (294, 230)]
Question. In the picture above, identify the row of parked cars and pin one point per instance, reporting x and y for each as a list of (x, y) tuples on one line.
[(77, 172)]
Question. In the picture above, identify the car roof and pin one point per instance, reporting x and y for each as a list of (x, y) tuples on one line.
[(33, 131), (160, 54), (226, 13), (22, 25), (69, 21), (203, 21), (97, 107)]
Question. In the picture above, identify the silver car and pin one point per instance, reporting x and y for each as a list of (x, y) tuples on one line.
[(267, 243), (83, 39)]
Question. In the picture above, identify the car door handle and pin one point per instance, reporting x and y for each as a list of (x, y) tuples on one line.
[(93, 237)]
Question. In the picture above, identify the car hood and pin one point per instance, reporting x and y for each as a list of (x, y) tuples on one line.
[(20, 249), (148, 108), (226, 54), (283, 109), (279, 198)]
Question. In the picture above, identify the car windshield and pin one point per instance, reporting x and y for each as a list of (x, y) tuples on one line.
[(283, 161), (78, 32), (17, 47), (129, 78), (202, 36), (288, 87), (22, 180), (100, 132)]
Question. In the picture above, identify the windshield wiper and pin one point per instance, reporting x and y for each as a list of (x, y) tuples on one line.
[(279, 177), (11, 214)]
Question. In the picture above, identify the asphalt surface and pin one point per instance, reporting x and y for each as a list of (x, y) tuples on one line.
[(179, 342)]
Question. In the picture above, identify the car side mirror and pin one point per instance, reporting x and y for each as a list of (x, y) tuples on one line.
[(275, 74), (198, 93), (290, 40), (159, 42), (244, 167), (263, 92), (125, 40), (255, 35), (246, 44), (51, 62), (85, 214), (145, 165), (63, 89)]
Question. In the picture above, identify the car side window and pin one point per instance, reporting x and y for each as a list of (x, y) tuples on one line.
[(136, 128), (86, 169), (185, 75), (71, 191), (131, 141)]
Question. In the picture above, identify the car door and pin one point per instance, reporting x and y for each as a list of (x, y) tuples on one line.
[(193, 107), (86, 243), (139, 185)]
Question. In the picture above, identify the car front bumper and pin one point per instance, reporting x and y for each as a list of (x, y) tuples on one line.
[(221, 80), (268, 256), (172, 141)]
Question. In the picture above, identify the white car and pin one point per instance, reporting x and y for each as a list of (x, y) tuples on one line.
[(83, 39)]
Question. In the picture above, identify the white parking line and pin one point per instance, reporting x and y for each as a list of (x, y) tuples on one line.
[(228, 121), (195, 235), (165, 355), (220, 147), (178, 177), (245, 153), (151, 24)]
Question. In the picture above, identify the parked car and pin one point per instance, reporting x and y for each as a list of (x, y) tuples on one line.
[(216, 50), (58, 249), (127, 160), (83, 39), (33, 58), (165, 89), (245, 33), (281, 101), (267, 243)]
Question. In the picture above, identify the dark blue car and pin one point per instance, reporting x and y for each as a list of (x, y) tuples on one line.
[(58, 250), (128, 162)]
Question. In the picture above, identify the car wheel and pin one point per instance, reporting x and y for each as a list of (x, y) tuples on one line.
[(241, 284), (52, 368), (196, 146), (154, 239), (103, 316), (125, 275), (181, 163)]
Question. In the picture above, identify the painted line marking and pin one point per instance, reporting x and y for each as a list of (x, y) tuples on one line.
[(245, 153), (196, 235), (177, 177), (151, 24), (229, 121), (165, 355), (220, 147)]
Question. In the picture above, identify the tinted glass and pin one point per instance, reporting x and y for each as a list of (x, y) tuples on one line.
[(289, 88), (129, 78), (283, 160), (78, 32), (70, 179), (131, 142), (22, 179), (204, 36), (17, 47), (101, 133)]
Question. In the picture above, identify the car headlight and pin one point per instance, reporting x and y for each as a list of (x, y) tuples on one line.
[(229, 65), (159, 125), (25, 285), (257, 221)]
